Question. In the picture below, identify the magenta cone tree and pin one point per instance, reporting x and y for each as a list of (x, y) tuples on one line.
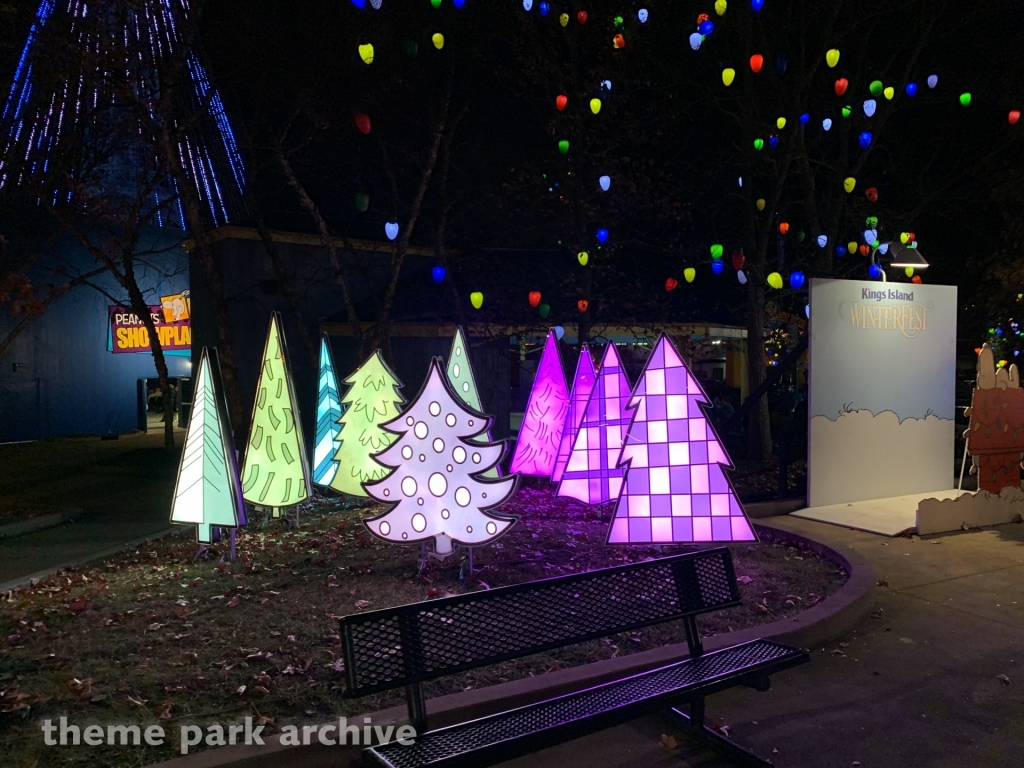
[(545, 418), (675, 489), (582, 386), (592, 473)]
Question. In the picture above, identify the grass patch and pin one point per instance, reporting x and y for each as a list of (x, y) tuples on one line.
[(153, 636)]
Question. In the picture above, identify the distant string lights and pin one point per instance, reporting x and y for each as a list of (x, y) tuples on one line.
[(34, 122)]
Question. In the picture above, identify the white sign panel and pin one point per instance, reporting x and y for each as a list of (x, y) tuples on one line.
[(882, 378)]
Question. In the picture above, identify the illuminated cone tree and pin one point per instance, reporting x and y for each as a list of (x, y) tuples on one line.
[(371, 401), (545, 417), (328, 412), (463, 382), (437, 489), (275, 473), (582, 386), (592, 473), (208, 492), (675, 489)]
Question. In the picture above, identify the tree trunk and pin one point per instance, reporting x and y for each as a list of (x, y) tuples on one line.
[(383, 328), (277, 263), (225, 345), (167, 147), (328, 242), (141, 308), (759, 433)]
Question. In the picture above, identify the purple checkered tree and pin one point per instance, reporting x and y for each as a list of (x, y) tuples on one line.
[(675, 489), (592, 474), (582, 386)]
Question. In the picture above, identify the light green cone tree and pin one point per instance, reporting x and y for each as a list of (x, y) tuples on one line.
[(460, 376), (276, 472), (207, 492), (372, 399)]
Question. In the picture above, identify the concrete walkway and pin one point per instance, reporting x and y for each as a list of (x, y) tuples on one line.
[(915, 685), (124, 486)]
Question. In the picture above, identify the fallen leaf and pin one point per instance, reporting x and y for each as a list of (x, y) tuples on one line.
[(12, 699), (668, 742), (165, 711), (79, 604), (1003, 679), (235, 601)]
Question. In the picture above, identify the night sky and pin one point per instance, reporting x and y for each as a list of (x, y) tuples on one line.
[(673, 139)]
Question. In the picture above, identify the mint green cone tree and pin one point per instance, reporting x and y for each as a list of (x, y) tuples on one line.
[(276, 472), (460, 376), (372, 400), (207, 493)]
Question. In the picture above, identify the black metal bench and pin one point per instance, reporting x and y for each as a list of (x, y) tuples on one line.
[(411, 644)]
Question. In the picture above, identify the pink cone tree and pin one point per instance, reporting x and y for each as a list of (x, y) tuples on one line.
[(545, 418)]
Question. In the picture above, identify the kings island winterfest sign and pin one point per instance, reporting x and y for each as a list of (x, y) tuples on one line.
[(908, 317), (882, 390), (171, 320)]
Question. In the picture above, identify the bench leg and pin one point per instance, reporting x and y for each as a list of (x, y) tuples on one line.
[(416, 703), (695, 727)]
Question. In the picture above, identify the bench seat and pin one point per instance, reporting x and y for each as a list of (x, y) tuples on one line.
[(501, 737)]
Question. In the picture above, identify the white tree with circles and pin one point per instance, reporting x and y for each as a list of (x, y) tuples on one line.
[(437, 490)]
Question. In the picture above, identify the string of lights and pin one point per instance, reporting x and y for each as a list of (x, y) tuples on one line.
[(125, 46)]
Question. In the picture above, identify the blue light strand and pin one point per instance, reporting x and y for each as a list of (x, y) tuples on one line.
[(148, 34)]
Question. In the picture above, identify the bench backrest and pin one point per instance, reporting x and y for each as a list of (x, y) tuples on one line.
[(402, 646)]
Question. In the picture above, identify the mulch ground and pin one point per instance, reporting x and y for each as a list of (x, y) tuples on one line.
[(156, 636)]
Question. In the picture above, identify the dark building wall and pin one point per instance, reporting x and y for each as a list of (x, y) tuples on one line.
[(253, 291), (59, 379)]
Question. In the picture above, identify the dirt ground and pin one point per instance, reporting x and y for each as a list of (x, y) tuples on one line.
[(156, 636)]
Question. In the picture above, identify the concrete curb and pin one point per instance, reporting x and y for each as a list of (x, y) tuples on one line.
[(43, 521), (759, 510), (831, 618), (23, 580)]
